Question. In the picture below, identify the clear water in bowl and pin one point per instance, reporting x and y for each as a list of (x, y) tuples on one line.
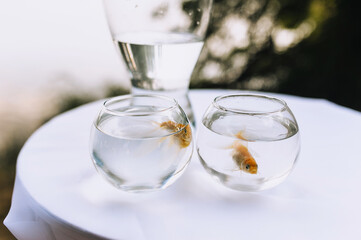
[(270, 145)]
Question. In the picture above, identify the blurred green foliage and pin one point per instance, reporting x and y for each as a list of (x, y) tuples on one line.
[(320, 60)]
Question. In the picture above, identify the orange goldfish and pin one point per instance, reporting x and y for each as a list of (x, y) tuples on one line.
[(240, 135), (242, 156), (244, 159), (184, 137)]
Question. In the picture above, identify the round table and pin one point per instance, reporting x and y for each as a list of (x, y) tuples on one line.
[(59, 195)]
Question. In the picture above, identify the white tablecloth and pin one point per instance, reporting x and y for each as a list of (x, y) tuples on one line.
[(59, 195)]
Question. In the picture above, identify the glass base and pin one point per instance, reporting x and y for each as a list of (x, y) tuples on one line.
[(135, 187), (181, 95), (250, 185)]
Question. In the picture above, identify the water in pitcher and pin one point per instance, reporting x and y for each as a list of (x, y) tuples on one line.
[(160, 61)]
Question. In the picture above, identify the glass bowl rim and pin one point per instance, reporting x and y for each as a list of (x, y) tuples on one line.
[(217, 105), (173, 104)]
